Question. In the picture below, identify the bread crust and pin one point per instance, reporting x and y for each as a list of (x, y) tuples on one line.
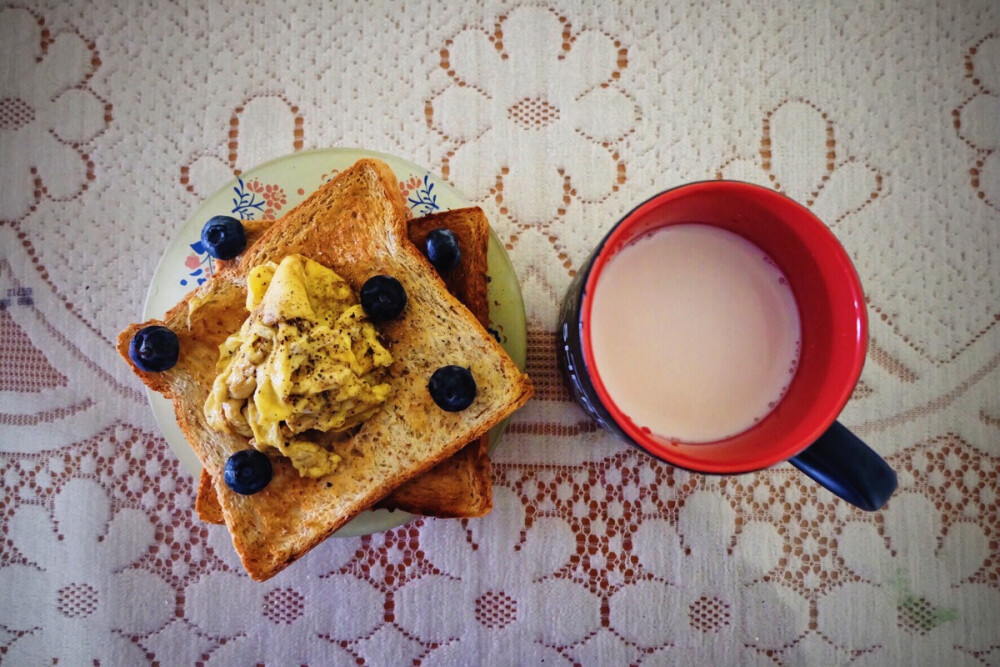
[(356, 225)]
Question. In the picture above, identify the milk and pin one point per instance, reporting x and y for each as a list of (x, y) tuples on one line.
[(695, 332)]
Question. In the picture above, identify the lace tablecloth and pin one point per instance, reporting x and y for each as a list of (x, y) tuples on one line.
[(118, 118)]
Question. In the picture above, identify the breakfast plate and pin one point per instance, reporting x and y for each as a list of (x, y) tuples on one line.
[(270, 190)]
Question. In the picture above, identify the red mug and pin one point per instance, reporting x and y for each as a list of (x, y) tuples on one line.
[(802, 428)]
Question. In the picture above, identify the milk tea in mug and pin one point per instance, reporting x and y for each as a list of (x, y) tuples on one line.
[(695, 332)]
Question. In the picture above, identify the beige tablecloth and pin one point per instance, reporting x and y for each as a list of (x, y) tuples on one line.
[(117, 119)]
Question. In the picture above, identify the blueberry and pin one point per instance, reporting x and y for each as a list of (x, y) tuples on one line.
[(452, 388), (247, 472), (223, 237), (154, 348), (383, 297), (442, 249)]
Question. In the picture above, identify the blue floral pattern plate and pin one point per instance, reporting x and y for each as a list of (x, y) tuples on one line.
[(269, 191)]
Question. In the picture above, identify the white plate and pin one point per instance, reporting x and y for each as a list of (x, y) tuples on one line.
[(269, 191)]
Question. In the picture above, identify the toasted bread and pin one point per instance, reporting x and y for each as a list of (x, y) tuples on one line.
[(459, 486), (356, 225)]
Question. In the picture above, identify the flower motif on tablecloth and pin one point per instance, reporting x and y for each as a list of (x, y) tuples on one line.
[(917, 603), (527, 102), (262, 128), (977, 120), (46, 113), (288, 618), (703, 602), (494, 598), (79, 573), (799, 156)]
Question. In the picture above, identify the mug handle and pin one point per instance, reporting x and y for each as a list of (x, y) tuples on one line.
[(848, 467)]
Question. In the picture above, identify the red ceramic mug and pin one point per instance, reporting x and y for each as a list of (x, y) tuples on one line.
[(802, 428)]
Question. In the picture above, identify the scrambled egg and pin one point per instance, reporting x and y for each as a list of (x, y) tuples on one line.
[(305, 359)]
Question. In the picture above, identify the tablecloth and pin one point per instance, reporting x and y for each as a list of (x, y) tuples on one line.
[(118, 118)]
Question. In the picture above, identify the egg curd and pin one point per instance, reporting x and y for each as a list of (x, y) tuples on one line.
[(306, 359)]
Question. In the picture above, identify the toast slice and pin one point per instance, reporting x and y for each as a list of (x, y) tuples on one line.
[(356, 225), (461, 485)]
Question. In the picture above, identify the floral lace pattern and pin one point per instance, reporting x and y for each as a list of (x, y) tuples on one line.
[(503, 601), (556, 118), (940, 612), (702, 595), (627, 561), (47, 114), (63, 553), (976, 118), (525, 121)]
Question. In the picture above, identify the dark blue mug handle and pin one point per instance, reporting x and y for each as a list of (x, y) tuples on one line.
[(848, 467)]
